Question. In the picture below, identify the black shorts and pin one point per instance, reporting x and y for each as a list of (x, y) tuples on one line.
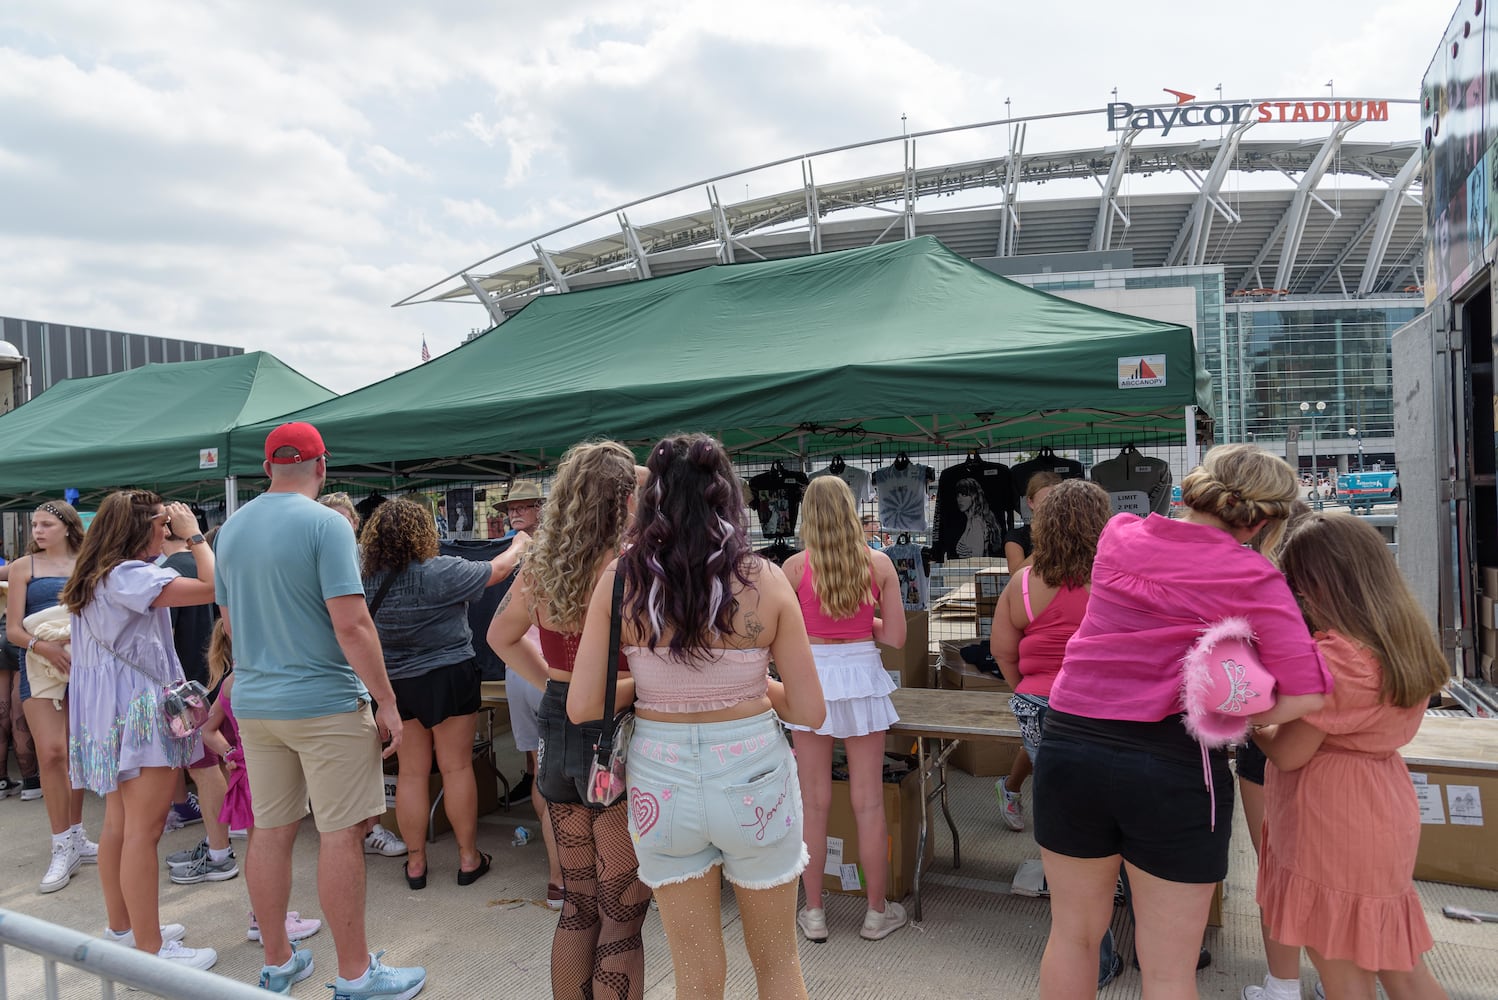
[(1251, 761), (440, 694), (1095, 800), (565, 752)]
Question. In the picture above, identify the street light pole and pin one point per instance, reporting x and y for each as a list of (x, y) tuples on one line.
[(1314, 411), (1357, 432)]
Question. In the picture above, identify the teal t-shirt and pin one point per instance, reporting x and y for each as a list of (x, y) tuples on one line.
[(279, 559)]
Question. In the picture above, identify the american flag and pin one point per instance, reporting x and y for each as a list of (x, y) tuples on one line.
[(426, 355)]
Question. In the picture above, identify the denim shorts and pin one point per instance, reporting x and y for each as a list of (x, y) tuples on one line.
[(717, 793)]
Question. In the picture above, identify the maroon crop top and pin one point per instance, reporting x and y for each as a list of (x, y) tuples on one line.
[(559, 650)]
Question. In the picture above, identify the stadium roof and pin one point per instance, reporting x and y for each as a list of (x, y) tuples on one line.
[(1308, 214)]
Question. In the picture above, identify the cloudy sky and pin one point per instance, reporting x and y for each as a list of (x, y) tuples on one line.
[(274, 174)]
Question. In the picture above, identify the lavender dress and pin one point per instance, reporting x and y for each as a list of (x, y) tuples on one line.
[(115, 717)]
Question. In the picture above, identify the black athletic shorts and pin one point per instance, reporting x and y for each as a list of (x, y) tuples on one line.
[(1096, 797), (1251, 761), (439, 694)]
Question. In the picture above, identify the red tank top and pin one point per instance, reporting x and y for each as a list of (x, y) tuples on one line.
[(559, 650)]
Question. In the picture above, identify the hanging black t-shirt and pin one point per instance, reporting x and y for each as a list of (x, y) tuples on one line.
[(777, 500), (975, 504), (481, 611), (1135, 483), (1066, 468)]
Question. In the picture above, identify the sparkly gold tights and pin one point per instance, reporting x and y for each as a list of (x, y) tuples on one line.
[(596, 952), (691, 913)]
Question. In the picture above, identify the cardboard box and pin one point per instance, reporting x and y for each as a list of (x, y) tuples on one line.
[(985, 626), (1214, 913), (989, 583), (1490, 581), (488, 795), (986, 606), (902, 821), (1458, 811), (1488, 673), (987, 758), (956, 674), (1488, 641), (912, 662)]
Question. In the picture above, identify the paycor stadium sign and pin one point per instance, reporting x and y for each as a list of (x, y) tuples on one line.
[(1123, 115)]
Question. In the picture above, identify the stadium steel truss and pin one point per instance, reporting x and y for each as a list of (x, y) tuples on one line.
[(1348, 224)]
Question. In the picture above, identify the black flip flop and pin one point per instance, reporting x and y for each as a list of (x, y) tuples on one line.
[(468, 878)]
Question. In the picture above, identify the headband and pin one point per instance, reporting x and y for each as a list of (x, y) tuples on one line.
[(53, 511)]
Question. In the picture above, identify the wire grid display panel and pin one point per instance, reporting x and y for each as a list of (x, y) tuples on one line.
[(953, 601)]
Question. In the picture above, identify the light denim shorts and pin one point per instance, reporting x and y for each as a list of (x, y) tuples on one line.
[(720, 793)]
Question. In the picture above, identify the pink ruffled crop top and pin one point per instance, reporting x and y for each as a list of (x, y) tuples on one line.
[(729, 677), (820, 625)]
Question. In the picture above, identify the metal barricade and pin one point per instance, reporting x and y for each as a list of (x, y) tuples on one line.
[(111, 964)]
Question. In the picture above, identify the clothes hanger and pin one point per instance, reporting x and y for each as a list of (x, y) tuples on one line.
[(904, 538), (974, 456), (777, 466), (837, 464), (902, 461)]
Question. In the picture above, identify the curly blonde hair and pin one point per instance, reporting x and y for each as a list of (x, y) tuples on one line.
[(399, 533), (1241, 485), (835, 547), (582, 521)]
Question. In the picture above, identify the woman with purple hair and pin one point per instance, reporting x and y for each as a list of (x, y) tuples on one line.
[(712, 782)]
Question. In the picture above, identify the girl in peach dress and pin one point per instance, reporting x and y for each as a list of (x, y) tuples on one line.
[(1341, 824)]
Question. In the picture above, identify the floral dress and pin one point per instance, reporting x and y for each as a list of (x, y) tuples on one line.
[(115, 721)]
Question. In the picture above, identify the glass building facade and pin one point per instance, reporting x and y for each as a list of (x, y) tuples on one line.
[(1268, 357)]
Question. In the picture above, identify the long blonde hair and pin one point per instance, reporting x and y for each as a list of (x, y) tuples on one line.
[(835, 547), (582, 521), (1342, 572)]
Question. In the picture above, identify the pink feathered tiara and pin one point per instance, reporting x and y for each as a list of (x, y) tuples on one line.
[(1223, 683)]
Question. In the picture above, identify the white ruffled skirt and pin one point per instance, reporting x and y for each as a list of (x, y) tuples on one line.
[(856, 689)]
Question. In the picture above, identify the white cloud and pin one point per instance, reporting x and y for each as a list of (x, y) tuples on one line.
[(273, 175)]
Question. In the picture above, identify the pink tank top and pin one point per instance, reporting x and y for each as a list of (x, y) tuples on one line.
[(731, 676), (820, 625), (1043, 646)]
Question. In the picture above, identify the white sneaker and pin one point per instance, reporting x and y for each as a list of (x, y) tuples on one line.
[(169, 932), (1010, 806), (88, 851), (813, 923), (65, 862), (382, 841), (195, 958), (878, 925)]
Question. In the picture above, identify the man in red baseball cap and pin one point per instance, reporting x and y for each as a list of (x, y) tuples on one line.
[(307, 661), (292, 444)]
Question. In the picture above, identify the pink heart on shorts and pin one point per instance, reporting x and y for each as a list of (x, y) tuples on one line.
[(644, 810), (737, 749)]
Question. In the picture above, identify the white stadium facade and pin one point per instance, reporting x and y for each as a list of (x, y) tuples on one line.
[(1286, 232)]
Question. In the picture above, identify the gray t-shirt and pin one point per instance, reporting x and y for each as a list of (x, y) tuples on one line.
[(423, 622)]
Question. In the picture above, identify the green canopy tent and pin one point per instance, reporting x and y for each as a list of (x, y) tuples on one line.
[(161, 426), (905, 342)]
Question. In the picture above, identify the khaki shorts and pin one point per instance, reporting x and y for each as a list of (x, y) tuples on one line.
[(333, 760)]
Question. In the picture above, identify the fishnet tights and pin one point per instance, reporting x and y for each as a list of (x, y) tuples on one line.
[(596, 952)]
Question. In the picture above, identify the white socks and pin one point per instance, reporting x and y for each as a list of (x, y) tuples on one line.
[(62, 839), (217, 855)]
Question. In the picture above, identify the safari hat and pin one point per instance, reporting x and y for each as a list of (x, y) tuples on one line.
[(524, 489)]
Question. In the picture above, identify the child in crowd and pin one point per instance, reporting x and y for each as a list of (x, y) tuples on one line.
[(221, 735), (1350, 900)]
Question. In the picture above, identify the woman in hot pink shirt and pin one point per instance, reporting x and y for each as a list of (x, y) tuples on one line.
[(1119, 777)]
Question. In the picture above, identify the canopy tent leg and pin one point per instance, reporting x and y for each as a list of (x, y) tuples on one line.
[(231, 495)]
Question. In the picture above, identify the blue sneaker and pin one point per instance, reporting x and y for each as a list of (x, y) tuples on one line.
[(278, 978), (183, 814), (381, 982)]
